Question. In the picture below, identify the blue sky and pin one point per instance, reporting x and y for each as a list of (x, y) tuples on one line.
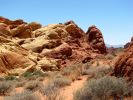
[(113, 17)]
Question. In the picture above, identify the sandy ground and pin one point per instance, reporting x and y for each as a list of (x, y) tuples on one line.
[(67, 92)]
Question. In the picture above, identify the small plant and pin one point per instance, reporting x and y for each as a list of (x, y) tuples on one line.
[(5, 88), (26, 95)]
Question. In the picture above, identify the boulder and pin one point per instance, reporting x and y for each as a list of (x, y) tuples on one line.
[(25, 30), (61, 52), (74, 30), (95, 39), (10, 23), (11, 60), (4, 30)]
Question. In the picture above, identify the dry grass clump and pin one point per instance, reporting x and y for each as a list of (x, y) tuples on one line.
[(20, 84), (73, 71), (33, 85), (26, 95), (96, 72), (52, 88), (5, 87), (103, 89)]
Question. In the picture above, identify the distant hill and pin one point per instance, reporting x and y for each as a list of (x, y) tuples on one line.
[(115, 46)]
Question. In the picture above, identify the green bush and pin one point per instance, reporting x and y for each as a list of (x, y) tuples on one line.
[(10, 77), (37, 73)]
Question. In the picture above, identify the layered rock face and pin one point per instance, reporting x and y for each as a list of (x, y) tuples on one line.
[(95, 39), (28, 46), (124, 63)]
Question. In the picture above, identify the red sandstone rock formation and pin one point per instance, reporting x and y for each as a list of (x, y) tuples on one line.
[(48, 48), (95, 39), (124, 64)]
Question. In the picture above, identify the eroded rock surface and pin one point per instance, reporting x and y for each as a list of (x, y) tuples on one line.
[(28, 46), (95, 39), (124, 63)]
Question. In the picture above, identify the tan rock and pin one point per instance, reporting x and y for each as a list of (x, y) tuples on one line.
[(10, 60)]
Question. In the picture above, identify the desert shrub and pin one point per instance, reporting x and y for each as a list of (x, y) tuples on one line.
[(5, 87), (52, 88), (73, 71), (109, 56), (40, 78), (27, 74), (2, 79), (61, 81), (10, 77), (37, 73), (102, 71), (86, 69), (33, 85), (20, 84), (82, 94), (97, 72), (50, 91), (33, 75), (120, 88), (102, 89), (26, 95), (131, 89)]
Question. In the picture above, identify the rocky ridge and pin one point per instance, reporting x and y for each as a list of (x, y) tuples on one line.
[(31, 46)]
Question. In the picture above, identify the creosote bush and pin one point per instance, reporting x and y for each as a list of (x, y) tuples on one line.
[(102, 89)]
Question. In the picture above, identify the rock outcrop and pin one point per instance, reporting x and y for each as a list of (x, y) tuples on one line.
[(28, 46), (95, 39), (124, 63)]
